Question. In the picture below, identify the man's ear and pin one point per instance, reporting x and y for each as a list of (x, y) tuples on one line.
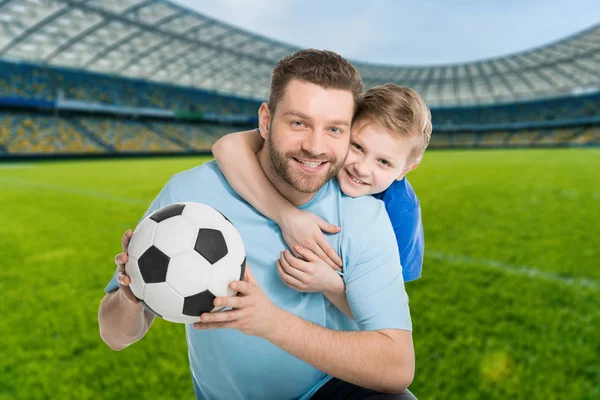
[(407, 170), (264, 120)]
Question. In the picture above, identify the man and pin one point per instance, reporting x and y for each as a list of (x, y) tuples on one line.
[(279, 344)]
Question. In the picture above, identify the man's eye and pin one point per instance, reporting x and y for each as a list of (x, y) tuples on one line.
[(335, 130), (297, 123)]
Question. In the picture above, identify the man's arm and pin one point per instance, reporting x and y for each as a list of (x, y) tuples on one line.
[(122, 318), (379, 360), (122, 322)]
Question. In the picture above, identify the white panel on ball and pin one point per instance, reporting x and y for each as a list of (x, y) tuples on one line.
[(132, 269), (182, 319), (224, 272), (175, 235), (189, 273), (203, 216), (141, 239), (235, 245), (162, 299)]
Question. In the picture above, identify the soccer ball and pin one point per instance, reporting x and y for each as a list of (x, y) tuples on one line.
[(181, 257)]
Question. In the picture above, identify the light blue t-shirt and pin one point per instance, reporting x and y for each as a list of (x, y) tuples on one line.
[(227, 364)]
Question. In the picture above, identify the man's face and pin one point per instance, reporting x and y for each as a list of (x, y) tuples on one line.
[(309, 134)]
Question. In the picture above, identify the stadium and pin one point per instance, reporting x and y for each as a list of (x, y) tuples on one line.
[(508, 303)]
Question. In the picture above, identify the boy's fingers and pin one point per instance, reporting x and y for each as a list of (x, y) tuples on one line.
[(333, 256), (315, 248)]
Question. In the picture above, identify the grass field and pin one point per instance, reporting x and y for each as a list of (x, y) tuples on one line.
[(508, 305)]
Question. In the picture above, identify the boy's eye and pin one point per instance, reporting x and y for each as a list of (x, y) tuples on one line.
[(357, 147), (386, 163)]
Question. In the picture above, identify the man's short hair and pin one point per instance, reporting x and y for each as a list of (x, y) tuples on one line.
[(321, 67), (401, 110)]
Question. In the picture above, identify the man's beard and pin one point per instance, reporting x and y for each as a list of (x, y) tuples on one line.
[(304, 183)]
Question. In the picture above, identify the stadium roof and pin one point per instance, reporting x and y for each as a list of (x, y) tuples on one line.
[(162, 41)]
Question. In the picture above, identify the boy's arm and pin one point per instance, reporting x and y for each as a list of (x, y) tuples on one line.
[(338, 298), (236, 155)]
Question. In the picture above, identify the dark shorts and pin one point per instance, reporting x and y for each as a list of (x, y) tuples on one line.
[(337, 389)]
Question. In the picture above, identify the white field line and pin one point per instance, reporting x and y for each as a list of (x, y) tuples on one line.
[(16, 166), (71, 190), (522, 270)]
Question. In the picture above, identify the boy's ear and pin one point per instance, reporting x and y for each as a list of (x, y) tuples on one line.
[(407, 170), (264, 120)]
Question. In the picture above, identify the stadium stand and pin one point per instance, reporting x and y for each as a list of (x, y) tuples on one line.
[(150, 76)]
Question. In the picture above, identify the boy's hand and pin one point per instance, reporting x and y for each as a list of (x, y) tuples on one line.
[(303, 228), (312, 275)]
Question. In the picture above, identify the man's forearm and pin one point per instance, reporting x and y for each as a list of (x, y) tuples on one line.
[(368, 359), (122, 322)]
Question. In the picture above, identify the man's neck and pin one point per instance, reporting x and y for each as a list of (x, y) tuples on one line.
[(292, 195)]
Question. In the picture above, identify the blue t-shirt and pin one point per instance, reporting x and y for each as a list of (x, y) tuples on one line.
[(227, 364), (404, 210)]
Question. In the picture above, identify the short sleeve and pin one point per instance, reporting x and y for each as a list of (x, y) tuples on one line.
[(374, 286), (162, 199), (408, 229)]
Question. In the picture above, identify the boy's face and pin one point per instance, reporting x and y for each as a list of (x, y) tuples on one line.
[(376, 158)]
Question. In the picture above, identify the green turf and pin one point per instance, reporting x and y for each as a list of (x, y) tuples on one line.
[(508, 305)]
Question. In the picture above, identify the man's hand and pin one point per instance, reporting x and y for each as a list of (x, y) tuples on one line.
[(124, 279), (252, 312)]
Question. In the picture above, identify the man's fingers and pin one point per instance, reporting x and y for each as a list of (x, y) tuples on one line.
[(125, 240), (241, 287), (123, 279), (121, 259), (221, 316), (231, 301), (327, 249)]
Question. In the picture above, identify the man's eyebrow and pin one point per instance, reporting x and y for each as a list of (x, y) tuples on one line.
[(304, 116)]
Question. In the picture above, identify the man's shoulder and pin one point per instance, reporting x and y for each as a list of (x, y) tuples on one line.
[(202, 178), (362, 210)]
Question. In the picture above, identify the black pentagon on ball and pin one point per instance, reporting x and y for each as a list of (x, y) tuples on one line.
[(243, 269), (167, 212), (154, 265), (199, 303), (211, 245), (150, 309)]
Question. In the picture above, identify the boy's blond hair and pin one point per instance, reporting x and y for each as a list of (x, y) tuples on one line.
[(401, 110)]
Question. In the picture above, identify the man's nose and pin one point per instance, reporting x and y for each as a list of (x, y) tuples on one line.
[(313, 143)]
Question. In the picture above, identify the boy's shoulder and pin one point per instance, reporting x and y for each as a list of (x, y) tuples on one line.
[(400, 192)]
